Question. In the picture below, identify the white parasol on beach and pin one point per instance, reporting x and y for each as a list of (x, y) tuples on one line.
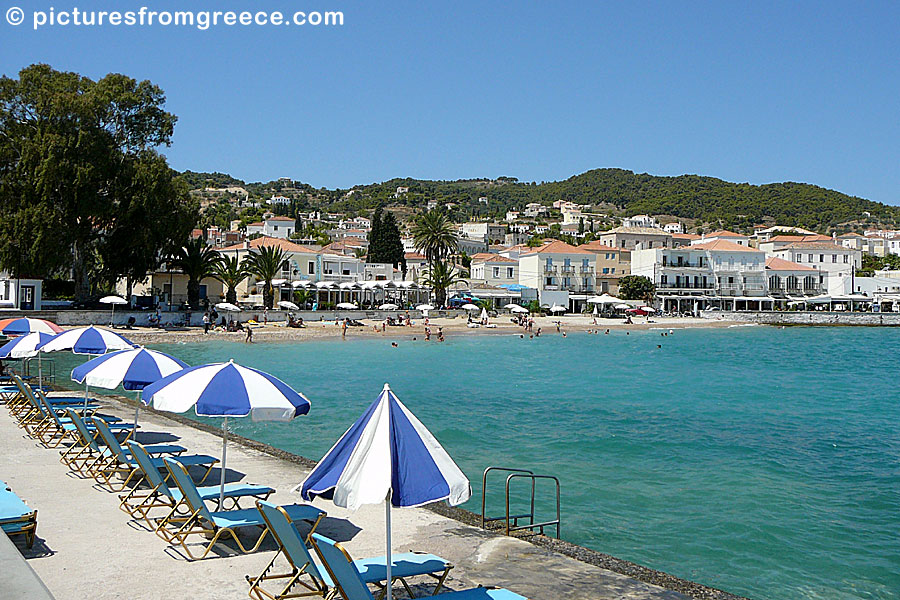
[(113, 300)]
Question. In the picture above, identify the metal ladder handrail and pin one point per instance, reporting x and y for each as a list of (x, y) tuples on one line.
[(484, 493), (532, 525)]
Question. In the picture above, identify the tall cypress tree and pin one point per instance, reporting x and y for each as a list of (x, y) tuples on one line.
[(376, 237), (392, 246)]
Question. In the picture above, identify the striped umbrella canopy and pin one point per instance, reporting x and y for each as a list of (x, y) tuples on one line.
[(227, 390), (387, 456), (87, 340), (26, 347), (132, 369), (28, 325)]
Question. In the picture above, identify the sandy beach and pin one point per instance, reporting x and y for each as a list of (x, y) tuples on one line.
[(314, 330)]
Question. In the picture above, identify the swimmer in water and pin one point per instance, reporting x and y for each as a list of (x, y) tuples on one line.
[(393, 344)]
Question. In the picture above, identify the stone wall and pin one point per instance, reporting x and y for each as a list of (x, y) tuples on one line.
[(866, 319)]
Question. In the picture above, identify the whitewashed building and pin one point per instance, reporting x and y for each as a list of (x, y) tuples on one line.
[(493, 269), (837, 263), (562, 274)]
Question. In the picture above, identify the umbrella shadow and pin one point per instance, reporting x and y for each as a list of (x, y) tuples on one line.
[(215, 475), (155, 437), (340, 530)]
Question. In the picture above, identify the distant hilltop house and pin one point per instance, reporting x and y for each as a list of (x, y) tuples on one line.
[(490, 233), (763, 234), (512, 215), (286, 182), (730, 236), (641, 221), (673, 228), (401, 191), (534, 209), (275, 227), (279, 200)]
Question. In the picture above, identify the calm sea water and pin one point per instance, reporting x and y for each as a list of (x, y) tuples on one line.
[(762, 461)]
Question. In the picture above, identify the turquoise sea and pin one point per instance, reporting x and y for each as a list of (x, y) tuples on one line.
[(762, 461)]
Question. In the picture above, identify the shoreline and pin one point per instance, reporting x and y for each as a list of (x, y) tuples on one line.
[(464, 516), (318, 330)]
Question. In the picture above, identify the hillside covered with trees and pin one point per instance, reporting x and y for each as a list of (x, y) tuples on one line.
[(707, 200)]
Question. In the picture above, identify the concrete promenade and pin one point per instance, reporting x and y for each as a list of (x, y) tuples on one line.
[(88, 548), (808, 318)]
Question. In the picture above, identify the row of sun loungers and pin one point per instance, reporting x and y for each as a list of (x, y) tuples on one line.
[(156, 487)]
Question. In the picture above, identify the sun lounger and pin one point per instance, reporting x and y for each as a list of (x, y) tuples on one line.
[(318, 581), (352, 586), (56, 428), (44, 416), (25, 406), (139, 502), (15, 516), (85, 455), (122, 463), (214, 525)]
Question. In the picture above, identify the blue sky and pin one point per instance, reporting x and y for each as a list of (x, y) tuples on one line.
[(744, 91)]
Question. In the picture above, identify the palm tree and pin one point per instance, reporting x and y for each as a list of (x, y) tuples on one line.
[(434, 237), (441, 277), (266, 265), (303, 297), (231, 272), (196, 260)]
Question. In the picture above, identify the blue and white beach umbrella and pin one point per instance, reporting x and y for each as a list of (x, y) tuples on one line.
[(26, 347), (133, 369), (87, 340), (28, 325), (227, 390), (387, 456)]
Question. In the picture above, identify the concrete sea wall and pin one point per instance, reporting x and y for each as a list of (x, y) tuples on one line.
[(819, 318)]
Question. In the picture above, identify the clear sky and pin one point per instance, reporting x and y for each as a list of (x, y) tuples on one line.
[(745, 91)]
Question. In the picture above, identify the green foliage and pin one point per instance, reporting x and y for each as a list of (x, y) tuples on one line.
[(82, 187), (737, 206), (231, 272), (534, 306), (211, 180), (266, 264), (303, 298), (198, 261), (870, 264), (636, 287), (441, 276), (434, 236)]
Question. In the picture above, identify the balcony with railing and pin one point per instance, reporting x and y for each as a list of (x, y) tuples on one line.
[(586, 270), (568, 270), (550, 269), (686, 285), (666, 264)]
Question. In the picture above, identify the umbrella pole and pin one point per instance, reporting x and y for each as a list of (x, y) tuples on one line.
[(40, 374), (137, 409), (85, 392), (387, 518), (224, 450)]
